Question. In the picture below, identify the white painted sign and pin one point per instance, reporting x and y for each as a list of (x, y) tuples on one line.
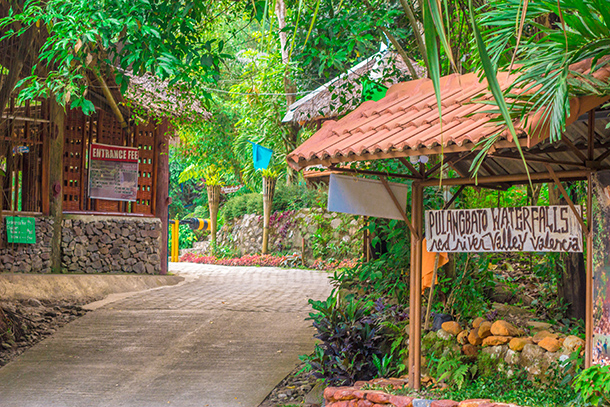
[(366, 197), (230, 190), (522, 229)]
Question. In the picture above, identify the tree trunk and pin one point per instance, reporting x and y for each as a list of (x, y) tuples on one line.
[(572, 271), (213, 202), (268, 191)]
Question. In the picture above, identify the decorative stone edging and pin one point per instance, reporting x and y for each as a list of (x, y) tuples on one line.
[(355, 396)]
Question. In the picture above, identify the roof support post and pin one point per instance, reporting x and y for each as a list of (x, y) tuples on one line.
[(589, 277), (415, 287)]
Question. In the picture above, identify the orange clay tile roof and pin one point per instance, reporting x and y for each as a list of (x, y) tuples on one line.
[(406, 122)]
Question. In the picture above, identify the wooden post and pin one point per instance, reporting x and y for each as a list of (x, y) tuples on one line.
[(213, 202), (268, 191), (589, 272), (56, 152), (162, 200), (415, 287)]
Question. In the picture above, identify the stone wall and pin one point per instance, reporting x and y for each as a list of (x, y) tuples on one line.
[(97, 244), (356, 396), (244, 235), (28, 258)]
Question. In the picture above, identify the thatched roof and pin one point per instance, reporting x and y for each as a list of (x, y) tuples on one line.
[(153, 94), (344, 93)]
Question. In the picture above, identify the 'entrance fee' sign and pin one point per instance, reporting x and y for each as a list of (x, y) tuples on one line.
[(20, 230), (113, 172), (523, 229)]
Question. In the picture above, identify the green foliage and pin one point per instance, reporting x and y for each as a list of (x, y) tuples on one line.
[(186, 237), (297, 196), (387, 275), (593, 384), (184, 195), (355, 343), (163, 38), (241, 205), (515, 389)]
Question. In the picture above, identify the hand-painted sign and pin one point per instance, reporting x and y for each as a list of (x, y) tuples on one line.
[(523, 229), (230, 190), (21, 230), (361, 196), (113, 172)]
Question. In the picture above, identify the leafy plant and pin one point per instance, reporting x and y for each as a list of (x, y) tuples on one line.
[(360, 339), (593, 384)]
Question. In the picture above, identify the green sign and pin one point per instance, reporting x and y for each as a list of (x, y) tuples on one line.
[(21, 230)]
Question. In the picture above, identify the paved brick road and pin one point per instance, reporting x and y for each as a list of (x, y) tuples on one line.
[(223, 338)]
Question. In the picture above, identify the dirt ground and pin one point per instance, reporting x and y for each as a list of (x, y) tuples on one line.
[(25, 323)]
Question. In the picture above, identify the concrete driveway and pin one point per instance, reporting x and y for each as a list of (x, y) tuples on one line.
[(224, 337)]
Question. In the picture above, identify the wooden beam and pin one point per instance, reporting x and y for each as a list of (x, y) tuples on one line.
[(591, 134), (368, 172), (574, 149), (603, 156), (540, 160), (578, 215), (589, 278), (385, 183), (415, 289), (409, 166), (512, 178)]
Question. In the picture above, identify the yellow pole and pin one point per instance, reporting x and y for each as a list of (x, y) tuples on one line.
[(175, 241)]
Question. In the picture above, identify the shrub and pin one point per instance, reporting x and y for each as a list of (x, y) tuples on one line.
[(360, 339), (593, 384)]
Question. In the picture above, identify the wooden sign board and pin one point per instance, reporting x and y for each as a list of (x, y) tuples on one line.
[(113, 172), (21, 230), (522, 229), (367, 197)]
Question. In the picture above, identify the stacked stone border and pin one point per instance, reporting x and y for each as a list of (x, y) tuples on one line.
[(105, 244), (28, 258), (358, 396)]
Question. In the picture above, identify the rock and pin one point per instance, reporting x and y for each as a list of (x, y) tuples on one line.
[(573, 343), (496, 340), (444, 335), (543, 334), (401, 401), (462, 338), (484, 329), (421, 403), (473, 402), (503, 328), (439, 319), (470, 350), (376, 397), (496, 352), (139, 268), (474, 339), (517, 344), (444, 403), (512, 357), (477, 322), (530, 355), (550, 344), (452, 327), (539, 326)]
